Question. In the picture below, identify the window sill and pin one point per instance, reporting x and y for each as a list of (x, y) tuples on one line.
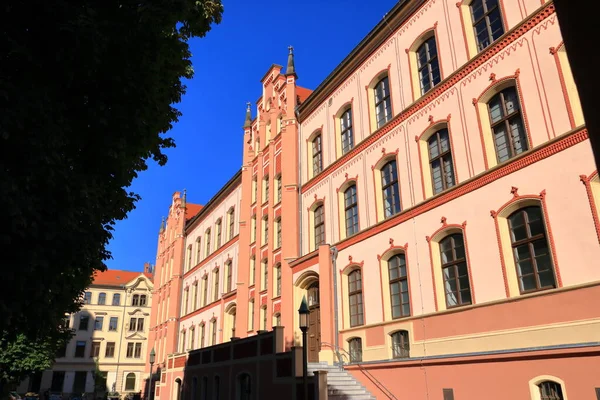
[(263, 291), (277, 203), (265, 203), (251, 286), (229, 294), (264, 245), (278, 297)]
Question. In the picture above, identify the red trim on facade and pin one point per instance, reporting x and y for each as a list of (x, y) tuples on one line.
[(385, 157), (518, 198), (587, 181), (554, 52), (449, 82), (211, 256), (200, 310), (521, 161), (391, 251)]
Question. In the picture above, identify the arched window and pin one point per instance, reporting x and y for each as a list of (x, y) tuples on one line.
[(383, 104), (317, 155), (102, 298), (351, 210), (399, 295), (130, 381), (116, 301), (189, 258), (487, 22), (400, 344), (244, 387), (213, 328), (355, 297), (455, 271), (440, 161), (390, 189), (229, 276), (550, 391), (202, 334), (428, 65), (355, 345), (277, 273), (207, 242), (535, 270), (319, 226), (216, 284), (198, 250), (506, 121), (347, 137)]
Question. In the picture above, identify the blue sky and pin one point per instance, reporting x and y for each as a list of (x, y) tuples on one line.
[(229, 63)]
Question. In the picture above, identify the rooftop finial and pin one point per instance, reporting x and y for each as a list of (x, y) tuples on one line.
[(162, 225), (183, 198), (291, 69), (248, 122)]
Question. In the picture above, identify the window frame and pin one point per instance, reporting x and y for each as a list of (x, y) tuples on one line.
[(116, 299), (346, 131), (431, 61), (231, 216), (441, 157), (401, 256), (504, 122), (355, 349), (352, 207), (400, 348), (101, 299), (219, 233), (216, 284), (394, 186), (355, 310), (454, 264), (277, 232), (318, 225), (383, 104), (317, 154), (485, 18)]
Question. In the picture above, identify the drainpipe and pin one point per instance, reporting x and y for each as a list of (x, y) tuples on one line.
[(299, 183), (334, 254)]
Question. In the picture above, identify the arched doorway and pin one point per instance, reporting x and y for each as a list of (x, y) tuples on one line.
[(178, 388)]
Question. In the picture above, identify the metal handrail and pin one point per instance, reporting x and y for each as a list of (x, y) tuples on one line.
[(370, 376)]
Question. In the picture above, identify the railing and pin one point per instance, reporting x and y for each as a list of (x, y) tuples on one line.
[(370, 376)]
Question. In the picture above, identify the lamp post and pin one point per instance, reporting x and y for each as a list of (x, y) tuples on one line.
[(152, 357), (303, 313)]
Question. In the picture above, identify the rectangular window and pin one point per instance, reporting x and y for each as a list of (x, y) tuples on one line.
[(195, 297), (265, 189), (186, 295), (231, 224), (99, 321), (202, 335), (214, 332), (198, 250), (399, 296), (319, 221), (207, 243), (110, 350), (132, 324), (428, 65), (216, 285), (252, 270), (135, 300), (278, 193), (58, 381), (510, 138), (265, 238), (101, 299), (138, 350), (351, 210), (278, 237), (265, 275), (448, 394), (84, 321), (112, 324), (355, 298), (116, 300), (140, 325), (254, 189), (87, 298), (95, 352), (251, 315), (228, 268), (263, 314), (253, 229), (62, 351), (204, 291), (80, 349), (440, 161), (278, 280), (130, 350), (219, 230)]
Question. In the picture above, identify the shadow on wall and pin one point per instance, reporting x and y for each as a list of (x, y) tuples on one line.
[(155, 378)]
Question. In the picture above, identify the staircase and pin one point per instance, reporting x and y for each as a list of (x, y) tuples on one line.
[(340, 384)]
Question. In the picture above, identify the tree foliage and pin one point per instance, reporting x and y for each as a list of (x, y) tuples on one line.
[(87, 92), (21, 356)]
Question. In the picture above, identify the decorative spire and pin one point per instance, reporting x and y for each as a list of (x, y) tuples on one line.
[(291, 70), (248, 122), (162, 225), (183, 198)]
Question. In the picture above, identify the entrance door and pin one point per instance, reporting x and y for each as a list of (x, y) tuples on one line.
[(314, 323)]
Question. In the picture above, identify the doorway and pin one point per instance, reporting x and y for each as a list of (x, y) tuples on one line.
[(314, 322)]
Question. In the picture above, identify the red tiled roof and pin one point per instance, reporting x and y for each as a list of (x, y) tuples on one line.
[(302, 93), (191, 210), (115, 277)]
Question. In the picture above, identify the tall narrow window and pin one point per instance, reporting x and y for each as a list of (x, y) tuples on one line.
[(278, 192), (102, 299), (428, 64), (351, 210), (455, 271), (231, 223), (277, 319), (487, 22), (116, 300), (192, 338), (198, 250), (383, 104), (278, 233), (110, 350), (265, 238), (202, 334), (263, 314), (319, 223), (390, 189), (317, 155), (216, 285), (399, 296), (355, 298), (400, 344), (207, 242), (142, 300), (219, 232), (229, 277), (252, 270), (265, 189), (251, 315), (440, 161), (531, 251), (233, 315), (265, 275), (205, 291), (189, 257), (550, 391), (346, 131), (277, 273), (195, 297), (355, 345), (186, 296), (87, 299), (254, 189), (507, 125), (253, 229)]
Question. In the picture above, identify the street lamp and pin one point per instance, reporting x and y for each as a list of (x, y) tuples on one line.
[(303, 313), (152, 358)]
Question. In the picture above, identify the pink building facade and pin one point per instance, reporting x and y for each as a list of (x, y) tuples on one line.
[(437, 205)]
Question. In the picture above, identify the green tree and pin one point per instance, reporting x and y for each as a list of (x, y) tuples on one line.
[(87, 93), (21, 357)]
